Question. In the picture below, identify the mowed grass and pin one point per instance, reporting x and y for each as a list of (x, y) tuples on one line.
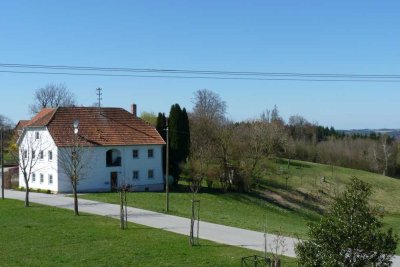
[(281, 207), (47, 236), (233, 209)]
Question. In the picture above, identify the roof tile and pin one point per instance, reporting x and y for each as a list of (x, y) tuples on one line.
[(97, 126)]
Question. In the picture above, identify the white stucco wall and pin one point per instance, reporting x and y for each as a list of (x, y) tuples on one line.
[(43, 166), (97, 176)]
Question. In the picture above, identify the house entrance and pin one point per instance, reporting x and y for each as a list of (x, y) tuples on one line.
[(114, 181)]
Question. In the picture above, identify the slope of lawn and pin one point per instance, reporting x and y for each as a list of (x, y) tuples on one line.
[(47, 236), (234, 209), (285, 199)]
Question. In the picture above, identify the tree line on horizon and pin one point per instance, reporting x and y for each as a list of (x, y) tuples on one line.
[(205, 144), (218, 150)]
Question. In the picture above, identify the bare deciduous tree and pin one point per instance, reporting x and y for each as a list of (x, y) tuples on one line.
[(382, 152), (52, 96), (74, 162), (27, 154), (209, 106), (5, 122), (123, 205)]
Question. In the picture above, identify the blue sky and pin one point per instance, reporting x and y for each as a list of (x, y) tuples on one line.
[(269, 36)]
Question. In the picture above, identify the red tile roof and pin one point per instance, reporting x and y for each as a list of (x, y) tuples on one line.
[(21, 125), (42, 118), (103, 127)]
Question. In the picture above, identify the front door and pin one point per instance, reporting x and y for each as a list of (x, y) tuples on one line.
[(114, 181)]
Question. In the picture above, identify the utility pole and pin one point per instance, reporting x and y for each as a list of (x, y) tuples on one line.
[(167, 171), (99, 98), (2, 164)]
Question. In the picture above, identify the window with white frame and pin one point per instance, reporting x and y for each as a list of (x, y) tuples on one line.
[(33, 177), (25, 154), (150, 174), (41, 154), (135, 175), (50, 179), (50, 155), (37, 135), (33, 153), (41, 178), (135, 153), (150, 153)]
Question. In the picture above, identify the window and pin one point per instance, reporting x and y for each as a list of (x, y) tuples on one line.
[(113, 158), (41, 178), (37, 135), (33, 154), (150, 153), (33, 177), (50, 155), (135, 175), (50, 179), (25, 154), (135, 153), (41, 154), (150, 174)]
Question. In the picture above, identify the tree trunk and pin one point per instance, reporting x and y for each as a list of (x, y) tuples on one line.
[(76, 211), (277, 263), (121, 210), (27, 197)]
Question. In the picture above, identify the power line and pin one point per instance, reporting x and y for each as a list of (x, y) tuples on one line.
[(197, 77), (201, 74), (208, 72)]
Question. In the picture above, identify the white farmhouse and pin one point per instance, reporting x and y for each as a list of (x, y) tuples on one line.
[(120, 147)]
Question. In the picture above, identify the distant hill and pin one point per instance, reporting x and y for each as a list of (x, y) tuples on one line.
[(391, 132)]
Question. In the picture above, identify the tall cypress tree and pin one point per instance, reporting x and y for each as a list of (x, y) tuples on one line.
[(174, 122), (161, 124), (185, 131), (179, 137)]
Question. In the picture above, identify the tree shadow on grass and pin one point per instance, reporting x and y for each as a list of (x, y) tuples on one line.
[(293, 163)]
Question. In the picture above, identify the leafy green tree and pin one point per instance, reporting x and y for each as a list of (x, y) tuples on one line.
[(149, 117), (349, 234)]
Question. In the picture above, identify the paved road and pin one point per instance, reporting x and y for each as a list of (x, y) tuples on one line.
[(209, 231)]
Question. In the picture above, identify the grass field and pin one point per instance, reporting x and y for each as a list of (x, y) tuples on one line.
[(285, 208), (47, 236)]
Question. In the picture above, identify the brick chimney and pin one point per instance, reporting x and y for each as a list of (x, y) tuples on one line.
[(134, 110)]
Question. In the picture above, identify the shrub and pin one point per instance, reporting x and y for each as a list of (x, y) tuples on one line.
[(349, 234)]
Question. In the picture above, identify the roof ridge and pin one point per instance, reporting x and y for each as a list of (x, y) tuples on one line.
[(52, 116)]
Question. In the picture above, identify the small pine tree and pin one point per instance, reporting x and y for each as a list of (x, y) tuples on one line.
[(349, 234)]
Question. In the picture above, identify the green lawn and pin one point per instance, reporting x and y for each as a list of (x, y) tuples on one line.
[(239, 210), (286, 208), (47, 236)]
